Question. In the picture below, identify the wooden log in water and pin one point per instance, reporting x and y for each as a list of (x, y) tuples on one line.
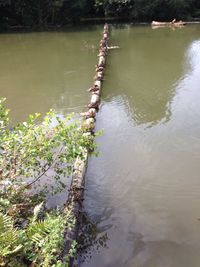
[(98, 84), (99, 68), (98, 77), (99, 73), (96, 93), (101, 54), (88, 124), (101, 65), (73, 204), (103, 43), (94, 88), (95, 100), (91, 113), (102, 60), (105, 36), (106, 26), (76, 192)]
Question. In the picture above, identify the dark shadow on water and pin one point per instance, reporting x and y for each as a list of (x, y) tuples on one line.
[(92, 238)]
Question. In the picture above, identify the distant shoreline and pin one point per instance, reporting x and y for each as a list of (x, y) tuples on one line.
[(82, 22)]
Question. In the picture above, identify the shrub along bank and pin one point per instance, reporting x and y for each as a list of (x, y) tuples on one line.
[(29, 152)]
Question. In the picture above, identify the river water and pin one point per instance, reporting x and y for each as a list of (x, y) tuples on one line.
[(143, 191), (47, 70)]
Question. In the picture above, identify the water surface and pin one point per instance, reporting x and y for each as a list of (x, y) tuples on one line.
[(144, 189), (47, 70)]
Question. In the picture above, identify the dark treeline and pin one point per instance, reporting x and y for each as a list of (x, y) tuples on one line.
[(41, 13)]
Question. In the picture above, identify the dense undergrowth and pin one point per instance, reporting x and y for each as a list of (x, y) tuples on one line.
[(31, 235)]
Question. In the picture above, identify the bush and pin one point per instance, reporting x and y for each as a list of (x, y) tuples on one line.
[(29, 151)]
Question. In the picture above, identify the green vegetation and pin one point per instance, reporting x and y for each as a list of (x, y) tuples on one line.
[(30, 151), (38, 244), (147, 10), (43, 13)]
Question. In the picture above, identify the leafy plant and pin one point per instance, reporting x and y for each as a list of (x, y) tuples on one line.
[(9, 237), (45, 238), (29, 151), (40, 243)]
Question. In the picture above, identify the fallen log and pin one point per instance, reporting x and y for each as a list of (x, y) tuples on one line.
[(96, 93), (76, 192), (93, 88), (91, 113), (95, 101), (102, 60), (98, 84), (74, 204), (163, 24), (88, 125)]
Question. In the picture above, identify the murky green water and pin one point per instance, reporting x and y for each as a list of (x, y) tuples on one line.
[(143, 191), (47, 70)]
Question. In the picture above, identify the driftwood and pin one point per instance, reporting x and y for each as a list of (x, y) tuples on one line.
[(171, 23), (113, 47)]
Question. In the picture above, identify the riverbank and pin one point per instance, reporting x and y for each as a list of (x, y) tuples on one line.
[(82, 23)]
